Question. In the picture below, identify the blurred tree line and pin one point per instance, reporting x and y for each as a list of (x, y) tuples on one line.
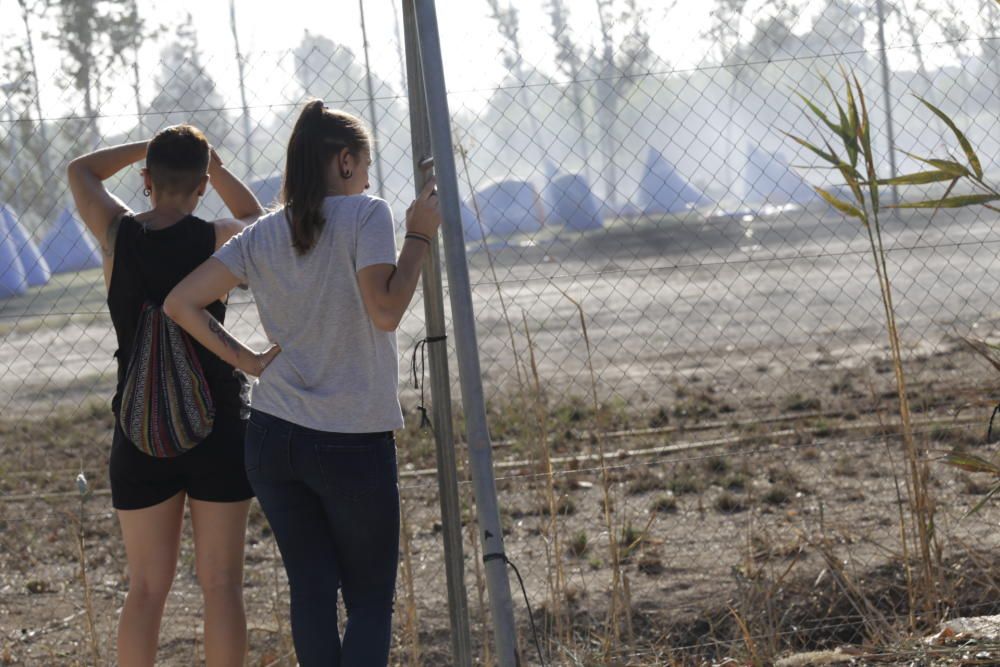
[(596, 109)]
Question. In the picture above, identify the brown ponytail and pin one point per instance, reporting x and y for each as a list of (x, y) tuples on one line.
[(320, 134)]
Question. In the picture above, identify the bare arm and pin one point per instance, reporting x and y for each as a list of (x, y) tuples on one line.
[(186, 305), (98, 207), (386, 289), (238, 198)]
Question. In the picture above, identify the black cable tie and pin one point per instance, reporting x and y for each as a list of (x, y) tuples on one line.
[(497, 556), (420, 348)]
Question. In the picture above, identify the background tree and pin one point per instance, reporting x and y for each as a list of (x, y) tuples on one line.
[(186, 92), (333, 73), (94, 36), (619, 64), (526, 119), (570, 58)]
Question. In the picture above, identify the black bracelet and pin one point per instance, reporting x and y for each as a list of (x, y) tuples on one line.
[(419, 237)]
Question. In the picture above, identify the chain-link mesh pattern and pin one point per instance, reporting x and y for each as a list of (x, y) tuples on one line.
[(666, 313)]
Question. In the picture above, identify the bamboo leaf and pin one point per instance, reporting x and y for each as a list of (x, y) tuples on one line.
[(970, 154), (951, 186), (951, 202), (820, 113), (866, 147), (852, 180), (952, 167), (971, 463), (841, 205), (979, 505), (829, 157), (854, 127), (845, 131), (918, 178)]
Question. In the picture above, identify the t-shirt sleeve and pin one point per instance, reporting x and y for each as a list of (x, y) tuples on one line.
[(234, 254), (376, 240)]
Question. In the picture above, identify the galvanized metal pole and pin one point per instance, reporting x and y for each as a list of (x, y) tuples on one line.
[(464, 323), (433, 295), (371, 100), (890, 134), (243, 89)]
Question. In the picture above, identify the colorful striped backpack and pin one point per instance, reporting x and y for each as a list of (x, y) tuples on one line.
[(166, 406)]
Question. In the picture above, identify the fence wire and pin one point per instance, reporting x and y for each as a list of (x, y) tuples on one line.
[(684, 351)]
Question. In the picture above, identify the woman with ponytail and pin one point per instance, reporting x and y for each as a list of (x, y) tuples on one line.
[(320, 451)]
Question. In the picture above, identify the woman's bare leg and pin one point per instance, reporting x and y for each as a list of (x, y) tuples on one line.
[(219, 538), (152, 538)]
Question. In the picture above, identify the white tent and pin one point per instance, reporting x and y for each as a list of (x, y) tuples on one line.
[(267, 190), (36, 269), (12, 278), (662, 190), (768, 179), (509, 207), (571, 203), (470, 224), (68, 246)]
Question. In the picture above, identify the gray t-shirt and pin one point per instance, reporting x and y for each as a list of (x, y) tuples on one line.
[(336, 371)]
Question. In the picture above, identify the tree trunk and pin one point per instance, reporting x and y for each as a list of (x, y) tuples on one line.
[(606, 106), (43, 133)]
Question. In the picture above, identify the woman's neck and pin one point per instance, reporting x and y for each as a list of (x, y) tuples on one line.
[(164, 214)]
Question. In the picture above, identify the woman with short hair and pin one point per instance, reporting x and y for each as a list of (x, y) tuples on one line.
[(145, 255)]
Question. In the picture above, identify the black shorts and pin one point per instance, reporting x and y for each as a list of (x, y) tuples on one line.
[(212, 471)]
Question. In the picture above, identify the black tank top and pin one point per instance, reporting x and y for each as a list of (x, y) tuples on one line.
[(147, 265)]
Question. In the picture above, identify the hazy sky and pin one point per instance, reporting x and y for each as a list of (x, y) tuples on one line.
[(470, 39)]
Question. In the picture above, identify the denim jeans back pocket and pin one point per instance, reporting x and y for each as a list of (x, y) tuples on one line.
[(349, 471)]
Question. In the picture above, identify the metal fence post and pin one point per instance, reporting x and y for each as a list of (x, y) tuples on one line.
[(247, 147), (444, 440), (371, 100), (463, 320), (890, 135)]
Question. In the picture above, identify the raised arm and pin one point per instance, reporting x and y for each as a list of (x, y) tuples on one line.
[(186, 305), (99, 208), (238, 198), (386, 289)]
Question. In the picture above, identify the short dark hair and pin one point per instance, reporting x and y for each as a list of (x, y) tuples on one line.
[(177, 159)]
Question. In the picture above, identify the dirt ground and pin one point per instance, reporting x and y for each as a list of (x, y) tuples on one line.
[(753, 463)]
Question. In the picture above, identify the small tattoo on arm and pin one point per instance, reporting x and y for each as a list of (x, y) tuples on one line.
[(223, 335)]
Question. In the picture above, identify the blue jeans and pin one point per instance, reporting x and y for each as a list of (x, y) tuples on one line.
[(332, 500)]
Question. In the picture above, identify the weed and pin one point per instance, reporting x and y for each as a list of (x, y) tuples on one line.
[(578, 545), (729, 503), (664, 504), (778, 495), (798, 403), (716, 465), (737, 481), (645, 482)]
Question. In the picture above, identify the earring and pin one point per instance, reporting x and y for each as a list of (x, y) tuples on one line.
[(146, 192), (346, 174)]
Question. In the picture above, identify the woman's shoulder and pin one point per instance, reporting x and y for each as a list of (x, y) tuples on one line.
[(369, 206)]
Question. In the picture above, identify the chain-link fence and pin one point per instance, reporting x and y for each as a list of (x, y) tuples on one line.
[(690, 389)]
